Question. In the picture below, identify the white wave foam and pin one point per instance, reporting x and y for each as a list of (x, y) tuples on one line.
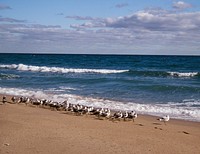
[(23, 67), (23, 92), (179, 74), (186, 103), (67, 88), (172, 109)]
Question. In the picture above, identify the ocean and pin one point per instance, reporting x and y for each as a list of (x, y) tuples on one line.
[(154, 85)]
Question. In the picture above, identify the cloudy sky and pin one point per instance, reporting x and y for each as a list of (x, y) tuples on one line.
[(163, 27)]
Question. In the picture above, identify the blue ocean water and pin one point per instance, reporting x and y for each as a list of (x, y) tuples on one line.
[(155, 85)]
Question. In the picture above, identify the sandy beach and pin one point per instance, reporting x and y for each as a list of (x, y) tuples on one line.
[(29, 129)]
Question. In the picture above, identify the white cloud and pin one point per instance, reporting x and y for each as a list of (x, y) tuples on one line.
[(149, 31), (181, 5), (159, 22)]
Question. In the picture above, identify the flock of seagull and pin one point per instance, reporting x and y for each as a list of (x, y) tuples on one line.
[(79, 109)]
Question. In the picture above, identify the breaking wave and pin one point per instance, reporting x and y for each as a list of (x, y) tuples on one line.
[(22, 67), (164, 73)]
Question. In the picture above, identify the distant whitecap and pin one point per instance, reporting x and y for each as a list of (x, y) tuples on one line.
[(185, 74)]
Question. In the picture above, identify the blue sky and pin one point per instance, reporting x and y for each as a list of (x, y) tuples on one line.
[(161, 27)]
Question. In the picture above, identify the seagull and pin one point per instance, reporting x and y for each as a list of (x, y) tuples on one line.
[(133, 115), (105, 113), (117, 115), (4, 100), (164, 119), (125, 115)]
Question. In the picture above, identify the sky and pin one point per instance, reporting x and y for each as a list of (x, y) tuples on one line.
[(147, 27)]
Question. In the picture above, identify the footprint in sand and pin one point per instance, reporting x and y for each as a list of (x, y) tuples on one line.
[(185, 132), (139, 124), (158, 128)]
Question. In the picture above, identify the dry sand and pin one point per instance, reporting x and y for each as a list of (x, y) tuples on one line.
[(29, 130)]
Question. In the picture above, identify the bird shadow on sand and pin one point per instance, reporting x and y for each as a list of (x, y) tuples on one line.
[(96, 118), (156, 123), (99, 118), (70, 113)]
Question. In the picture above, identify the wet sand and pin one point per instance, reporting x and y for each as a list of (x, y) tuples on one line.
[(29, 129)]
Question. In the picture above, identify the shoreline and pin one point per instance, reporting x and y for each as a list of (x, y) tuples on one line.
[(112, 110), (30, 129)]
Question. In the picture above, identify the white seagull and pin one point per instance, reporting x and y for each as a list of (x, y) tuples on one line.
[(133, 115), (164, 119)]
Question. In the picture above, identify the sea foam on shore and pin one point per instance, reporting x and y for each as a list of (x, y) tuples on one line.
[(186, 110)]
